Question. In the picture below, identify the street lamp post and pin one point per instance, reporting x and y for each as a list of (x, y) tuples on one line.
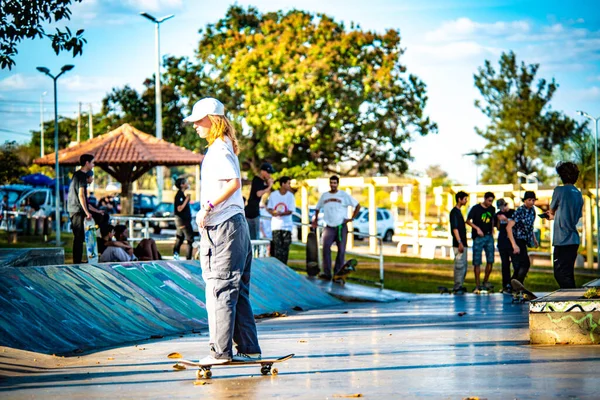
[(586, 115), (42, 124), (46, 71), (157, 92)]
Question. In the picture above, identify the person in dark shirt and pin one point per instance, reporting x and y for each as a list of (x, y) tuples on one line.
[(504, 246), (261, 185), (183, 219), (520, 233), (481, 219), (566, 209), (459, 242), (77, 205)]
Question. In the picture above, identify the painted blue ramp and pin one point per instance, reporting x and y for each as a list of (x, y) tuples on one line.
[(58, 309)]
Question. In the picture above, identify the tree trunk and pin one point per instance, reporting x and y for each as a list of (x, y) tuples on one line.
[(126, 198)]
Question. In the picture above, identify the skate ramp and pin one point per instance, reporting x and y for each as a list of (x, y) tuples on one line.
[(67, 308)]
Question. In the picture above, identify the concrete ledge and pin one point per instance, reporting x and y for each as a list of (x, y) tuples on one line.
[(59, 309), (564, 317), (32, 257)]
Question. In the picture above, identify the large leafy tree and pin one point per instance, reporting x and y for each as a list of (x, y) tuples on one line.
[(308, 92), (13, 165), (579, 149), (25, 19), (523, 131)]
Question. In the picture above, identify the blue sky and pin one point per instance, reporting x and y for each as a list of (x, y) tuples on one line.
[(445, 42)]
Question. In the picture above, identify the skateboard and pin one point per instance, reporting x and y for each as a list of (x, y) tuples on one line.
[(204, 370), (346, 269), (312, 254), (91, 244), (520, 293)]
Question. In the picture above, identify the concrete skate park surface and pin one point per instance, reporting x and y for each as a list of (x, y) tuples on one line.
[(418, 348), (61, 309)]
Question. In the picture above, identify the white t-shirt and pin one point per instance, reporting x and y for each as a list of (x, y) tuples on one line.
[(335, 207), (282, 203), (220, 164)]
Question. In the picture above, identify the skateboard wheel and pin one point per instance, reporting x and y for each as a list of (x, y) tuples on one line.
[(265, 369), (207, 374), (274, 371), (199, 374)]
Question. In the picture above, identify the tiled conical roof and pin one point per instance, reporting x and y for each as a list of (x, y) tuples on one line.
[(125, 145)]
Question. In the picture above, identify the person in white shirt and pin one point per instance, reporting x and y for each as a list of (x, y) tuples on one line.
[(225, 247), (281, 204), (335, 205)]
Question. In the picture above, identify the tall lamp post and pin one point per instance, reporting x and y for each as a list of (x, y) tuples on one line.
[(157, 92), (46, 71), (588, 116), (42, 124)]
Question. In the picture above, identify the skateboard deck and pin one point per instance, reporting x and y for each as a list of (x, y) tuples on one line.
[(347, 268), (204, 370), (520, 293), (91, 244), (312, 254)]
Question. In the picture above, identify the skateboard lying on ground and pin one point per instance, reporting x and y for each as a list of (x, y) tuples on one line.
[(204, 370), (346, 269), (520, 293), (91, 243), (312, 254)]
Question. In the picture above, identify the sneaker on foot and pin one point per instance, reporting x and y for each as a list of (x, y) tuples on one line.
[(175, 256), (210, 360), (243, 357)]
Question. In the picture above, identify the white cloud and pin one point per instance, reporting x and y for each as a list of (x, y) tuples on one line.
[(153, 5), (465, 29), (77, 83), (455, 52), (591, 93), (17, 82)]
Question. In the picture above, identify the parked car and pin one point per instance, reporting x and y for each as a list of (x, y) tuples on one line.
[(142, 203), (39, 198), (385, 224), (164, 209)]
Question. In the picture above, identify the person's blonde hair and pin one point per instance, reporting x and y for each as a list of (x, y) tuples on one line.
[(220, 128)]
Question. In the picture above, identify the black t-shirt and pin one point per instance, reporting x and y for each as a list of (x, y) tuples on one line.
[(503, 242), (457, 221), (79, 181), (184, 214), (483, 218), (252, 209)]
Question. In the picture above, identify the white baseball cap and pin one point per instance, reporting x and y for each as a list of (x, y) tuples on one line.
[(204, 107)]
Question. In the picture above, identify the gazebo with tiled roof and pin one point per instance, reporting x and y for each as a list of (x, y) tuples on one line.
[(126, 153)]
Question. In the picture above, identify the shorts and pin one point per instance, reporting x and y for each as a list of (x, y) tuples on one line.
[(481, 244)]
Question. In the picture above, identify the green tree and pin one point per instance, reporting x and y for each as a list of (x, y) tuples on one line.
[(25, 19), (13, 165), (523, 131), (579, 149), (308, 91)]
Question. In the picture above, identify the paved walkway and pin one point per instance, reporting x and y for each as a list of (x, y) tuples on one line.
[(414, 348)]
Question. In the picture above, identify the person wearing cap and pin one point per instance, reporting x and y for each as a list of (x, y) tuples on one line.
[(335, 205), (505, 249), (566, 210), (520, 233), (261, 185), (225, 247), (100, 217), (481, 220), (183, 219)]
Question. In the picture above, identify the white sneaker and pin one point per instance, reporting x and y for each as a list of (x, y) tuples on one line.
[(210, 360), (243, 357)]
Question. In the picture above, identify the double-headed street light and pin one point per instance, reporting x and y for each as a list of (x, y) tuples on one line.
[(157, 92), (46, 71), (586, 115)]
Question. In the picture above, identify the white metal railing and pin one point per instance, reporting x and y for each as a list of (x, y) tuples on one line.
[(131, 221)]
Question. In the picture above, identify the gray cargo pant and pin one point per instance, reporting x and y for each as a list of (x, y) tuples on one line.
[(460, 267), (226, 258)]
